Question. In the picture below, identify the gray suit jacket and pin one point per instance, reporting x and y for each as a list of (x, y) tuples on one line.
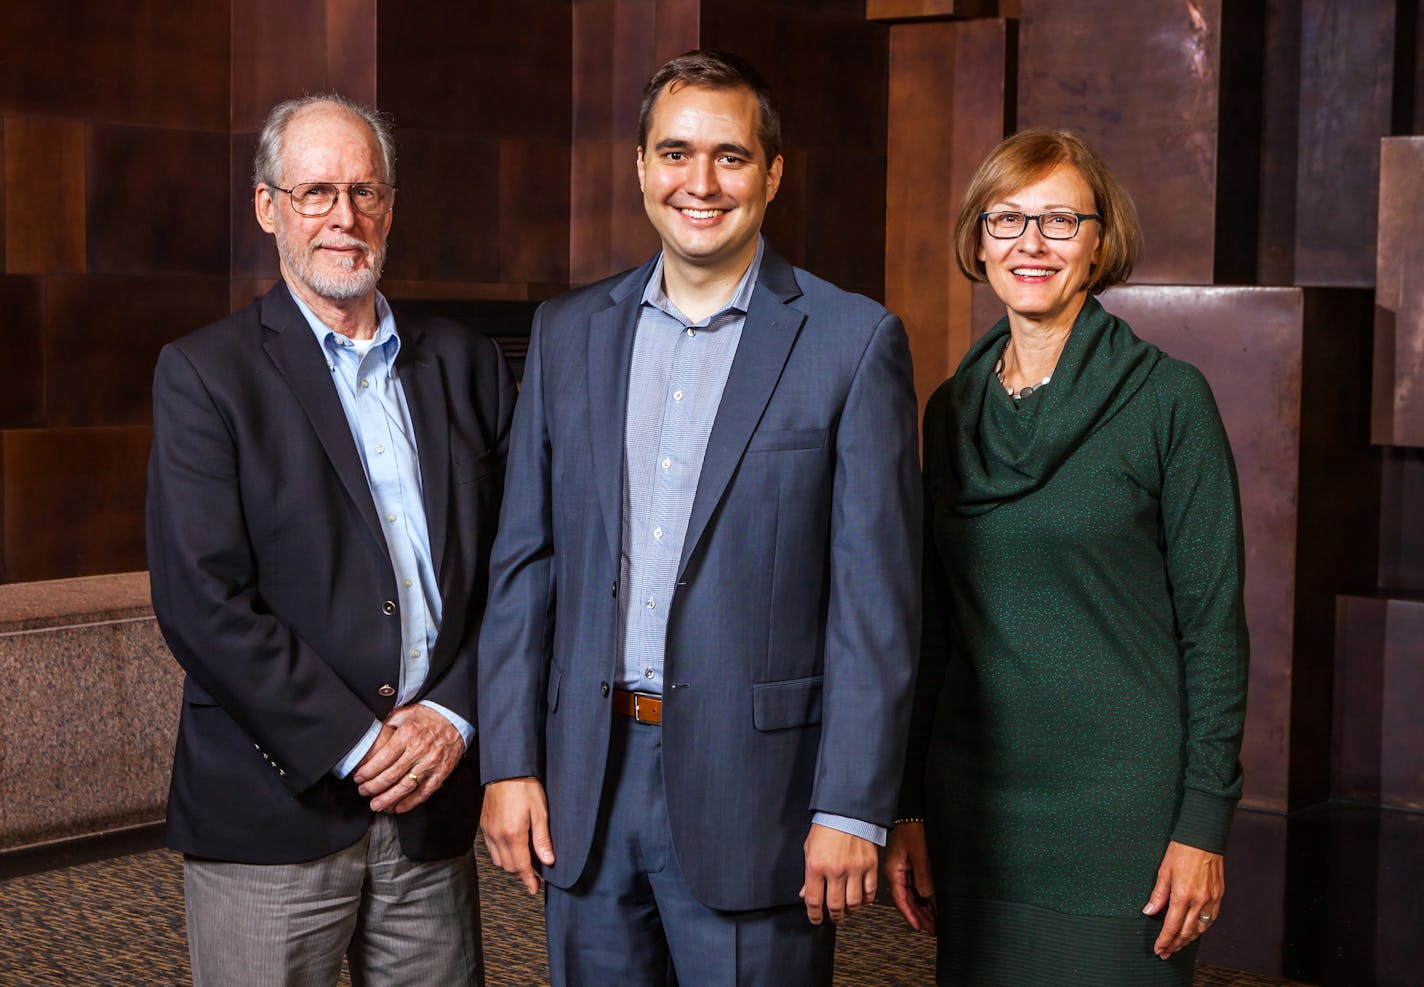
[(794, 627)]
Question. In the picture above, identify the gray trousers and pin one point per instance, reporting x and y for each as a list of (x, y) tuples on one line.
[(398, 921)]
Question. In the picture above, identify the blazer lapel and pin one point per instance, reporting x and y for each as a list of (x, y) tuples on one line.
[(293, 348), (611, 332), (425, 397), (767, 337)]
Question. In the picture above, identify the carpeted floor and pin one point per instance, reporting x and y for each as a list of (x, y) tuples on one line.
[(120, 922)]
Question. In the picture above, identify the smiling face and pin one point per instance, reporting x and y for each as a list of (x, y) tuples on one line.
[(705, 180), (336, 257), (1041, 281)]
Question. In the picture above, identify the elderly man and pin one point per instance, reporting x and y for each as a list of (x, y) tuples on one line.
[(698, 652), (323, 489)]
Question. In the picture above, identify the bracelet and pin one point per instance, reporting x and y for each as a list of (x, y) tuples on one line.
[(909, 819)]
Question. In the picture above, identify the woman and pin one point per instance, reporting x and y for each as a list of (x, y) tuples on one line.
[(1073, 754)]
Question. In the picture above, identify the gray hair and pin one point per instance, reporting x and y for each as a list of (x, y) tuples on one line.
[(267, 161)]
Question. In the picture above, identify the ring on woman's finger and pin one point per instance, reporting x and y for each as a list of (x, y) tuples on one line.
[(1205, 919)]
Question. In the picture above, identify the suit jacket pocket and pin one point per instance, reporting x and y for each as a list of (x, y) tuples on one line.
[(470, 469), (787, 438), (787, 703)]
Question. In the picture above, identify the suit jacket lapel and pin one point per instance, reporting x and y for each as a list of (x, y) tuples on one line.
[(425, 397), (611, 332), (767, 337), (294, 349)]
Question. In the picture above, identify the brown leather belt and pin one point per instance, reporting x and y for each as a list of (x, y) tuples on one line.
[(641, 706)]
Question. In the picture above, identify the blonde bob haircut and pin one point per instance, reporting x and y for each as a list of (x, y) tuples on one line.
[(1028, 157)]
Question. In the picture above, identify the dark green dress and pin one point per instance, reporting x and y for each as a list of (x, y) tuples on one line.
[(1082, 684)]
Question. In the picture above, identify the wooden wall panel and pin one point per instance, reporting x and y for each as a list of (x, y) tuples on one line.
[(157, 201), (351, 48), (917, 10), (252, 253), (947, 92), (44, 195), (61, 520), (446, 225), (534, 211), (149, 62), (278, 52), (102, 338), (22, 337), (1140, 83), (1398, 417), (1346, 86)]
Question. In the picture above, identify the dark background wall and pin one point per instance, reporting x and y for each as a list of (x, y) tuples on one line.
[(1267, 145)]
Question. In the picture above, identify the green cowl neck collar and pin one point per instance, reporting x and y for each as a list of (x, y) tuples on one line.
[(996, 452)]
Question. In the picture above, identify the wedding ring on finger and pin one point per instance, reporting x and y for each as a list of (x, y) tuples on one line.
[(1205, 919), (415, 780)]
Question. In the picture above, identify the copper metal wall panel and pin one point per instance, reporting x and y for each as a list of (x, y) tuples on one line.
[(1346, 86), (446, 225), (44, 195), (486, 69), (157, 201), (351, 48), (56, 522), (2, 194), (1402, 521), (102, 338), (912, 10), (1248, 342), (1379, 748), (946, 111), (1140, 83), (149, 62), (22, 336), (1399, 314), (534, 211), (278, 52), (1280, 128)]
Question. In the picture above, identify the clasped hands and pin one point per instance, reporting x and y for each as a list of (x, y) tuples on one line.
[(409, 760)]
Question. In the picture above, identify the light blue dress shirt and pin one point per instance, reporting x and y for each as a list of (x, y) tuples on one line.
[(675, 382), (363, 372)]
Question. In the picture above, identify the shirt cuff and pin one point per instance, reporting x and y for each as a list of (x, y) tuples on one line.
[(866, 831), (348, 763), (467, 732)]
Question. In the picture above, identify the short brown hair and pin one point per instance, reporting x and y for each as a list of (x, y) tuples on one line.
[(706, 68), (1029, 156)]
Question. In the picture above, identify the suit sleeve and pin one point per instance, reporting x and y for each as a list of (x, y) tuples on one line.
[(518, 627), (873, 617), (203, 573), (456, 688)]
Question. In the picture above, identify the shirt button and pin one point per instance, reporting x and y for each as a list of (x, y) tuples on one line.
[(386, 690), (390, 517), (380, 450), (677, 395), (648, 673), (365, 383), (657, 532), (415, 652), (408, 582), (603, 688), (651, 604), (667, 464), (691, 332)]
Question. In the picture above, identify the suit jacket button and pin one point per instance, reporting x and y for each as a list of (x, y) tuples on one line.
[(603, 688), (387, 690), (388, 608)]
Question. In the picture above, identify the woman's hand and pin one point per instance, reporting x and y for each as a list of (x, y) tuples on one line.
[(907, 871), (1190, 885)]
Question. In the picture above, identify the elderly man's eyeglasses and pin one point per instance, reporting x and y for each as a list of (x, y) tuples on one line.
[(1053, 225), (319, 198)]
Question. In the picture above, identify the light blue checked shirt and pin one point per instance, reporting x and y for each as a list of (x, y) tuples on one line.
[(363, 372), (675, 384)]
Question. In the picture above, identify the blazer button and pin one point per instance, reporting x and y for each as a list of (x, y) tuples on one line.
[(615, 591), (604, 689), (388, 608), (387, 690)]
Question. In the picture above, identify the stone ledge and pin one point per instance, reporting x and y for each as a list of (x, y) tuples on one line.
[(66, 602)]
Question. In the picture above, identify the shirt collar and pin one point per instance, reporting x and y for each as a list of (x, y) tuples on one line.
[(385, 324), (740, 301)]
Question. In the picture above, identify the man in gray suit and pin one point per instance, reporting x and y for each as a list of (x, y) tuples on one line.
[(699, 643)]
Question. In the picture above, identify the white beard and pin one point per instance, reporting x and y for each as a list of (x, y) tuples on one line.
[(336, 286)]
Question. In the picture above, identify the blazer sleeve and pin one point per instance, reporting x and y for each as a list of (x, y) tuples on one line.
[(518, 627), (203, 573), (873, 616)]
